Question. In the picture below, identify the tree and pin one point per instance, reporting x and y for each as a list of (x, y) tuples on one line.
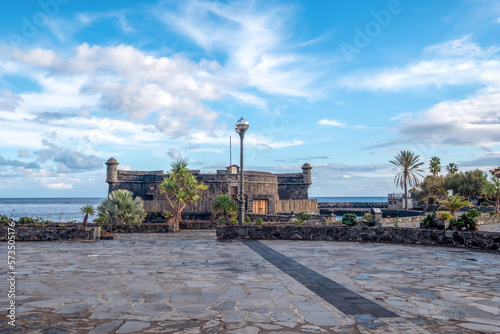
[(491, 193), (121, 208), (468, 183), (226, 205), (432, 187), (435, 166), (181, 188), (454, 203), (87, 210), (451, 168), (409, 169)]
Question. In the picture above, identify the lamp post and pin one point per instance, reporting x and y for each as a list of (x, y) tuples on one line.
[(240, 128)]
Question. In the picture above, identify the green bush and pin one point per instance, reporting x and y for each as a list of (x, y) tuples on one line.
[(492, 213), (221, 220), (367, 217), (4, 220), (349, 219), (427, 221), (234, 221), (33, 221), (259, 221), (302, 217), (444, 215), (247, 219), (122, 208), (474, 213), (466, 221)]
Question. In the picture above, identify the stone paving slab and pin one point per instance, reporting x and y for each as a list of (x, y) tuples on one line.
[(190, 283)]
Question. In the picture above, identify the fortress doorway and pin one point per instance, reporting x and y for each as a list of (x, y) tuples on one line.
[(260, 206)]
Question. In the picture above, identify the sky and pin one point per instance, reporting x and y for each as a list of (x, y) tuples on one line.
[(342, 85)]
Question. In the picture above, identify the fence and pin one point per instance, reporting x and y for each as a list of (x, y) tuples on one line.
[(297, 205)]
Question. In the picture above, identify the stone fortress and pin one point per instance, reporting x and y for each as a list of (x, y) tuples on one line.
[(264, 193)]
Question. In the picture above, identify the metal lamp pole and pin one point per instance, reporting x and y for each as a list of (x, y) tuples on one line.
[(240, 128)]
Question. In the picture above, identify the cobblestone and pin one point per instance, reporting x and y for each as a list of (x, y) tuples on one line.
[(188, 282)]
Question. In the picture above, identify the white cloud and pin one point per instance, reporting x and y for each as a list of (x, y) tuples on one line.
[(174, 153), (469, 122), (255, 40), (58, 186), (329, 122), (454, 62)]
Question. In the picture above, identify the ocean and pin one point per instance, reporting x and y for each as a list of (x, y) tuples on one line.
[(55, 209), (68, 209)]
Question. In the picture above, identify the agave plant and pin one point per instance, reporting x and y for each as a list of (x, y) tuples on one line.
[(121, 208)]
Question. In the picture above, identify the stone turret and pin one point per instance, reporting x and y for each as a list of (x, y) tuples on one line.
[(112, 170), (306, 172)]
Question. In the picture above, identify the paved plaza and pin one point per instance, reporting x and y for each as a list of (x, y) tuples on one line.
[(189, 282)]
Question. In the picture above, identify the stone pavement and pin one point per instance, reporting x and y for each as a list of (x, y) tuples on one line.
[(190, 283)]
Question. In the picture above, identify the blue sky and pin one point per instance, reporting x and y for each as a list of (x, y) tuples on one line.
[(343, 85)]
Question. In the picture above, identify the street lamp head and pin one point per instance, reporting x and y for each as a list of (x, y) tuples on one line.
[(241, 126)]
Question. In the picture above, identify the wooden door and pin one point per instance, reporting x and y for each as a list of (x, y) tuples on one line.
[(260, 206)]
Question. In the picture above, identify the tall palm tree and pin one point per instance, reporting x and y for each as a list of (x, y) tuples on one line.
[(454, 203), (452, 168), (87, 210), (409, 170), (435, 165), (226, 205)]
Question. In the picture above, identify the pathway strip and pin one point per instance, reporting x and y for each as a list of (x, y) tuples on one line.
[(340, 297)]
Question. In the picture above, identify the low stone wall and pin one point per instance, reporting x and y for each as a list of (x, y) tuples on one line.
[(369, 205), (467, 239), (197, 225), (141, 228), (360, 212), (51, 233)]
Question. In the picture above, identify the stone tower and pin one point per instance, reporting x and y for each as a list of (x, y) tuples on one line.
[(306, 172), (112, 170)]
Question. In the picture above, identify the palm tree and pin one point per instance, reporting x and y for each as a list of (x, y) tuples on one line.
[(120, 207), (409, 169), (226, 205), (87, 210), (451, 168), (435, 166), (454, 203)]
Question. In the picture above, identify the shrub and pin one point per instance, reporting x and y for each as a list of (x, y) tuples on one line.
[(427, 221), (221, 220), (444, 215), (302, 217), (225, 205), (121, 208), (4, 220), (474, 213), (234, 221), (466, 221), (247, 219), (492, 213), (259, 221), (367, 217), (349, 219)]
